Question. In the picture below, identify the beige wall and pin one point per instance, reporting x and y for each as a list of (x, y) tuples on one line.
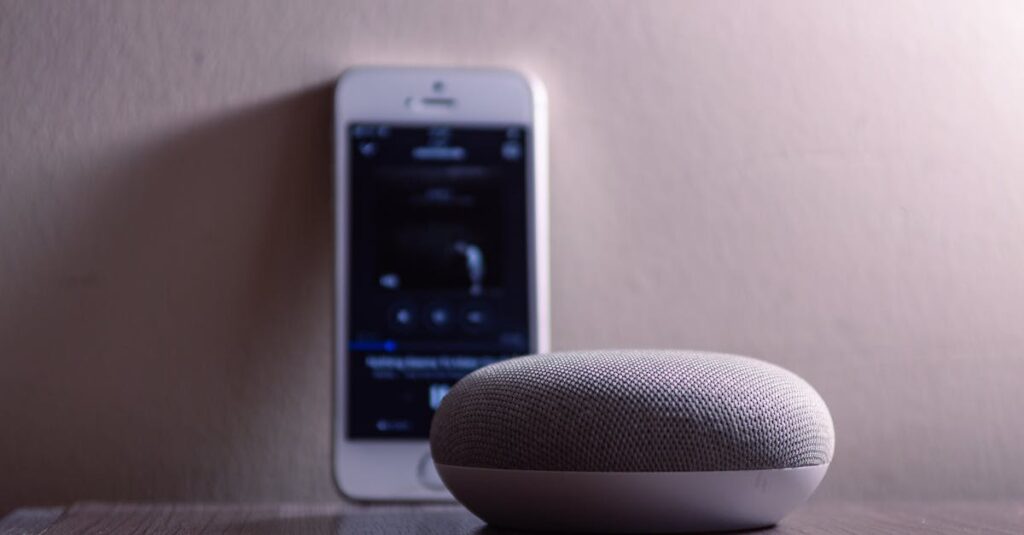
[(835, 187)]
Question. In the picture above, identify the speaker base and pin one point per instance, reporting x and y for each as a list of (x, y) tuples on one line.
[(628, 502)]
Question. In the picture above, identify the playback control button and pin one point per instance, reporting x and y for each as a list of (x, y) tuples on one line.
[(402, 317), (439, 317), (475, 318)]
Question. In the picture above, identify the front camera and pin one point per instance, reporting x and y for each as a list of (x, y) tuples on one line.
[(438, 86)]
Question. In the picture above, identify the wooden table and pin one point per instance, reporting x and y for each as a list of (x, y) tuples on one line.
[(342, 518)]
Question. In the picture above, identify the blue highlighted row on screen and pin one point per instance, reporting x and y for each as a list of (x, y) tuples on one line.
[(373, 345)]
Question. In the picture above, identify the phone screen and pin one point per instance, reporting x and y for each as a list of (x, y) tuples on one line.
[(438, 266)]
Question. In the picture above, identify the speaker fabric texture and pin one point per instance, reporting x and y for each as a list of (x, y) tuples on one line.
[(522, 433)]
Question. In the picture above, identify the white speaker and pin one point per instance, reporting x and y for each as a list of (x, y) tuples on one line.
[(632, 441)]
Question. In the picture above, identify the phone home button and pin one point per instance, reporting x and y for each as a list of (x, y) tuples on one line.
[(428, 474)]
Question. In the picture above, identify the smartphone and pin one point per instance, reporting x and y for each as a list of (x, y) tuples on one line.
[(441, 264)]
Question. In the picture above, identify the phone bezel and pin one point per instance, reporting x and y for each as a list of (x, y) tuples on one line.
[(389, 469)]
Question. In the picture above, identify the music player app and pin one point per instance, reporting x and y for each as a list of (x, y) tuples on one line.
[(438, 258)]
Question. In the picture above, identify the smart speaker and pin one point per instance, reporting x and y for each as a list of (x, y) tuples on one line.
[(632, 441)]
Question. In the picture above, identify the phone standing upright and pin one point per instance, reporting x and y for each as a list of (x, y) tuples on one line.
[(441, 235)]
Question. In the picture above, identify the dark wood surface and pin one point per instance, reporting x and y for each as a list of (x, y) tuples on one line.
[(340, 518), (29, 521)]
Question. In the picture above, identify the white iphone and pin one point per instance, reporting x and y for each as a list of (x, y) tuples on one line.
[(441, 256)]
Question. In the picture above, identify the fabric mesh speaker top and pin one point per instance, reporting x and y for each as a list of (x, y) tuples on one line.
[(632, 411)]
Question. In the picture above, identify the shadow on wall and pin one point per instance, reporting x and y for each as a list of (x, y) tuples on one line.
[(172, 333)]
